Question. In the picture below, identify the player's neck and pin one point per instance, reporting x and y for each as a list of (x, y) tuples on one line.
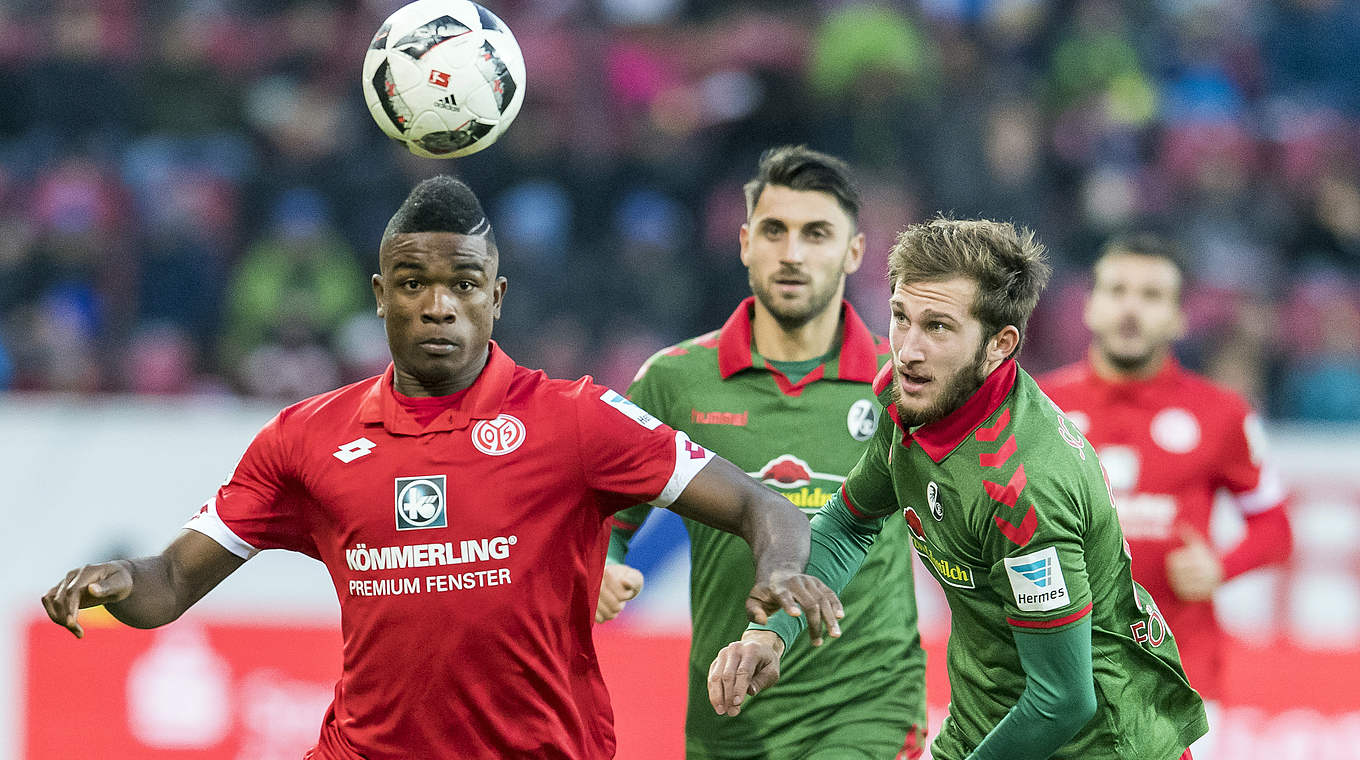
[(1108, 370), (809, 340)]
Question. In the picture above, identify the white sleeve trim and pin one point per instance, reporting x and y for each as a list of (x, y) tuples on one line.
[(690, 458), (1268, 494), (210, 524)]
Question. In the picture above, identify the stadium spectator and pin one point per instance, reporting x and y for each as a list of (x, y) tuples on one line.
[(503, 481), (1170, 441), (1233, 120)]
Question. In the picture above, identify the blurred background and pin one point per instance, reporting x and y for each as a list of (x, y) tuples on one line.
[(192, 191)]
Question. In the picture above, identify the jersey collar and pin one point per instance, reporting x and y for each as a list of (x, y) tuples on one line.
[(857, 361), (1135, 388), (939, 438), (482, 401)]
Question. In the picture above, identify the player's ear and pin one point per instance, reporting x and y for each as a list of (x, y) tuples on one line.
[(1002, 345), (854, 256), (378, 293), (498, 296), (744, 237)]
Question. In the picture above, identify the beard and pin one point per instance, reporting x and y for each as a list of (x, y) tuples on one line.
[(1129, 363), (791, 316), (957, 389)]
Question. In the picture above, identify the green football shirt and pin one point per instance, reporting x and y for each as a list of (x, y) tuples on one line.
[(1007, 505), (867, 688)]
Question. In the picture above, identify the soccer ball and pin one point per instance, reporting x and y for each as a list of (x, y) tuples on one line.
[(444, 77)]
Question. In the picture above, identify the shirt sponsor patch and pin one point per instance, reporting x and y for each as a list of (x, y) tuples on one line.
[(630, 410), (420, 502), (1037, 581)]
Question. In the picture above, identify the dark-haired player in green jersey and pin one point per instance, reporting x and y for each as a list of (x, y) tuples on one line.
[(1054, 650), (784, 390)]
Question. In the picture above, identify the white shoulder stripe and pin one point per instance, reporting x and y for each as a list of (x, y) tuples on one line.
[(690, 458), (1268, 494), (210, 524)]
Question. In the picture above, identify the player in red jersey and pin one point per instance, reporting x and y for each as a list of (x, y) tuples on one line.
[(459, 504), (1170, 440)]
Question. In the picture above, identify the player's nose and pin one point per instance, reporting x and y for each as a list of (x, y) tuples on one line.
[(439, 306)]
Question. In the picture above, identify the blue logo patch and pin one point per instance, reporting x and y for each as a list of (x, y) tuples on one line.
[(1038, 572)]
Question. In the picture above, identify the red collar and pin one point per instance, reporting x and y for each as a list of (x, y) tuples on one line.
[(942, 436), (858, 359), (481, 401)]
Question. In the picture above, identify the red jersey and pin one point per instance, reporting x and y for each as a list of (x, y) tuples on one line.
[(1169, 444), (466, 553)]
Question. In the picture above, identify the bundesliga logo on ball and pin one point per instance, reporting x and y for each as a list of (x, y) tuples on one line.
[(444, 77)]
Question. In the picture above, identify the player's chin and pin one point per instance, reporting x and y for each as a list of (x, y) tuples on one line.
[(433, 369)]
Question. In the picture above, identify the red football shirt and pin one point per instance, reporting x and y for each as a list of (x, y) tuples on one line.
[(1168, 445), (466, 554)]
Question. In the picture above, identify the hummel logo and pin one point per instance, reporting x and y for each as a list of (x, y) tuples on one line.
[(353, 450)]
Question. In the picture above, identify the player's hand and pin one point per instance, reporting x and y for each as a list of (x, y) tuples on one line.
[(1193, 569), (619, 585), (88, 586), (743, 668), (796, 594)]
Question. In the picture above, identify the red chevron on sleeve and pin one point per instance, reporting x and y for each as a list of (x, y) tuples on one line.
[(1002, 456), (992, 433), (1009, 493), (1022, 533)]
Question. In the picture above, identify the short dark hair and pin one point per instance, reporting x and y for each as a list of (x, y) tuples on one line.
[(1148, 244), (798, 167), (1007, 264), (441, 204)]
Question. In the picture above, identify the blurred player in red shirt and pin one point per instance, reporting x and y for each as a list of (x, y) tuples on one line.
[(1170, 440)]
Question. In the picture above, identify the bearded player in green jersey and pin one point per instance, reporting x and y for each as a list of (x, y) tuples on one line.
[(784, 390), (1054, 650)]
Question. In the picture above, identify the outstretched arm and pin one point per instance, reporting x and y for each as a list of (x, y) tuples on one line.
[(145, 592), (839, 542), (724, 497)]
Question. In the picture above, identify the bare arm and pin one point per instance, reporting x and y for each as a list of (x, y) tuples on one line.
[(723, 497), (145, 592)]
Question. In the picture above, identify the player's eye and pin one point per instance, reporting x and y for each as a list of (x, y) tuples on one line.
[(410, 284), (465, 285)]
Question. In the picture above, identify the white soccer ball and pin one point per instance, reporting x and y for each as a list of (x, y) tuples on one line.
[(444, 77)]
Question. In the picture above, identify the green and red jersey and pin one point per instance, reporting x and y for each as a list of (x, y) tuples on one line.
[(1006, 504), (800, 438)]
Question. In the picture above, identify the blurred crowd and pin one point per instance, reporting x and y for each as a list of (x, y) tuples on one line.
[(192, 191)]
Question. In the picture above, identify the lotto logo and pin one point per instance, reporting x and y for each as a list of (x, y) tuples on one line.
[(439, 78), (420, 503), (348, 452)]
